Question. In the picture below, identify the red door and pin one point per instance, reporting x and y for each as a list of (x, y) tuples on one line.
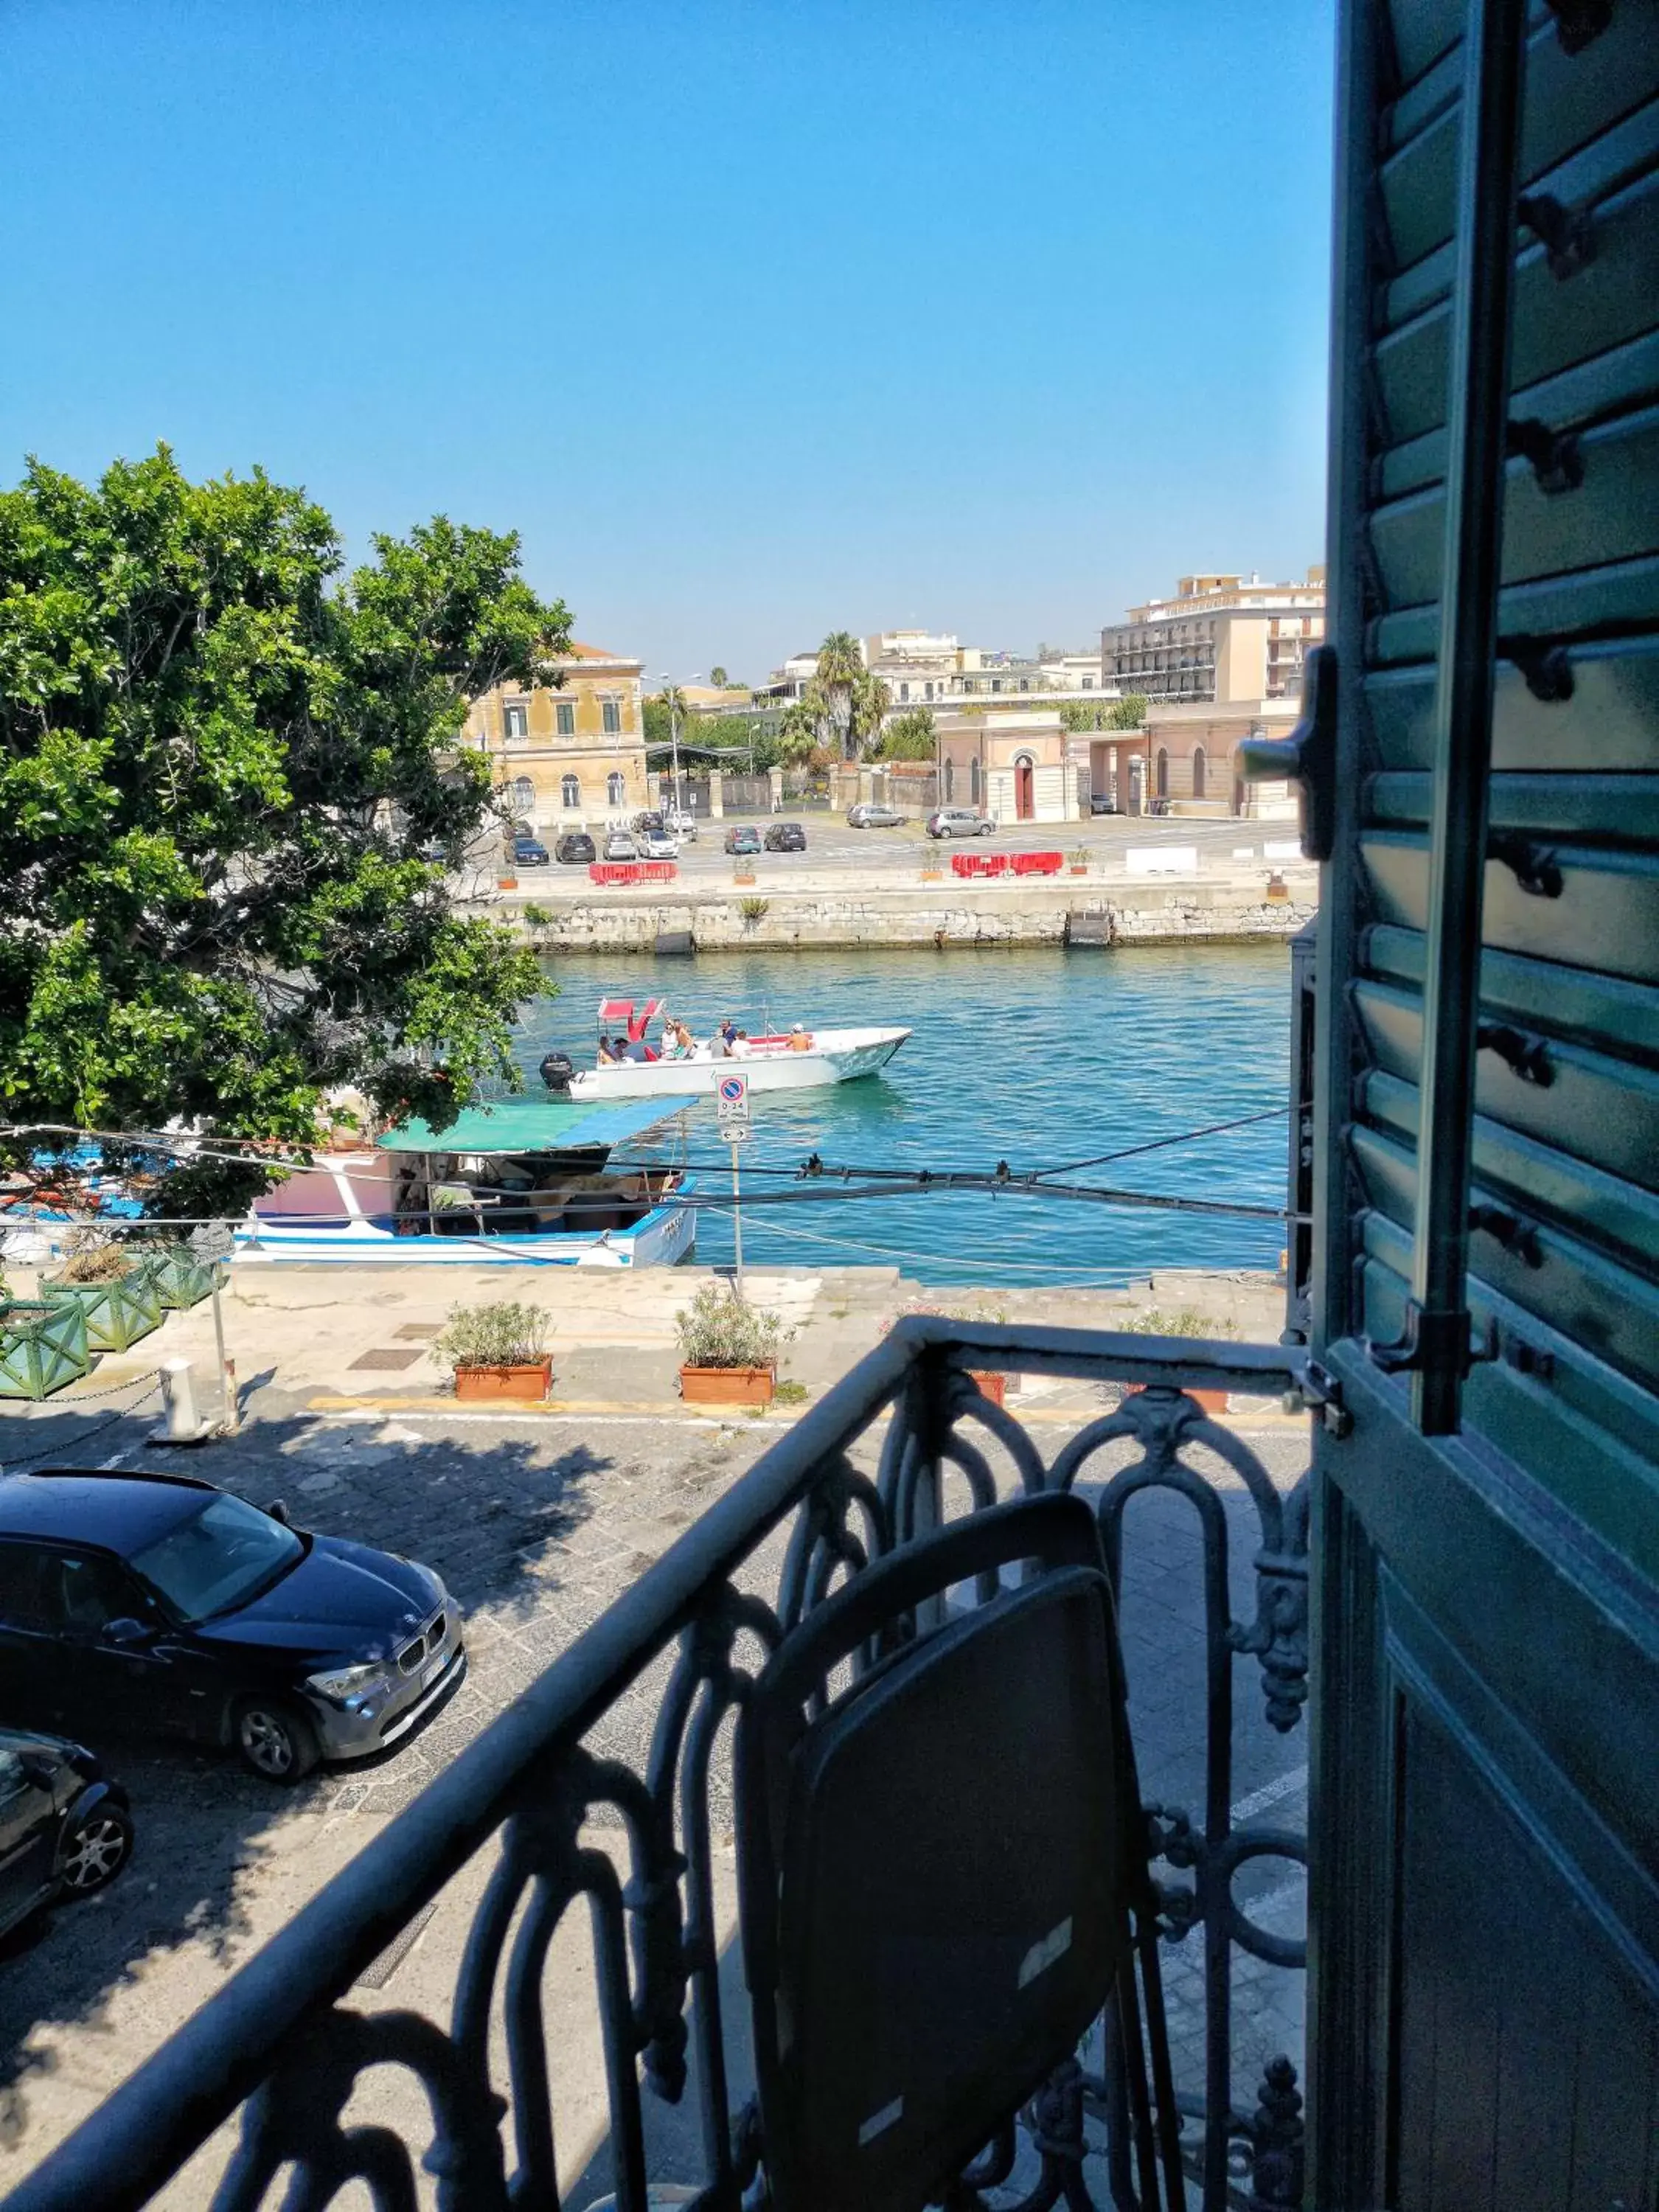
[(1024, 776)]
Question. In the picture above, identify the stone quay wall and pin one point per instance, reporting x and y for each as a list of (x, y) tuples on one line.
[(1042, 911)]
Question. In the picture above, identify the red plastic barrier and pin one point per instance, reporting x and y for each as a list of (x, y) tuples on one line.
[(632, 872), (1038, 864)]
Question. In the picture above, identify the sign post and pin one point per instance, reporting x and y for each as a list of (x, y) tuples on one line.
[(213, 1243), (732, 1110)]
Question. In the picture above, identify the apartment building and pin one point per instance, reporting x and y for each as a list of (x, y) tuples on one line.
[(1220, 639), (570, 755)]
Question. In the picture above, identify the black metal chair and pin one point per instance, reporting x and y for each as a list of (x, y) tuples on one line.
[(943, 1876)]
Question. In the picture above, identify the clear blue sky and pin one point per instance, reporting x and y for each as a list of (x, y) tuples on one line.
[(756, 317)]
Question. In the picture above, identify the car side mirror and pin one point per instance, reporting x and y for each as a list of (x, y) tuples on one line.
[(125, 1630), (278, 1509), (37, 1768)]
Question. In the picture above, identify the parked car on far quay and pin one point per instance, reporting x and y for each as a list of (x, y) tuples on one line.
[(744, 839), (785, 837), (620, 846), (659, 846), (1102, 802), (575, 849), (867, 815), (960, 822), (64, 1829), (680, 822), (160, 1603), (530, 852)]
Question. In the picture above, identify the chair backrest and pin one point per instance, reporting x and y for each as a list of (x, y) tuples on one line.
[(936, 1864)]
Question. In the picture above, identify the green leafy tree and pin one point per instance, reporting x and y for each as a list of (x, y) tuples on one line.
[(912, 737), (1129, 712), (221, 759), (717, 677)]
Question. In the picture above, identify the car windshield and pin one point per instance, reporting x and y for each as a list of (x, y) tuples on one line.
[(221, 1558)]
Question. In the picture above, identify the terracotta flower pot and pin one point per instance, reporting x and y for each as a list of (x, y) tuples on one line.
[(529, 1384), (1213, 1402), (992, 1385), (507, 883), (728, 1386)]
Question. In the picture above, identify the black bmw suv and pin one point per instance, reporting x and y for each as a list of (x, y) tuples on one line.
[(160, 1603)]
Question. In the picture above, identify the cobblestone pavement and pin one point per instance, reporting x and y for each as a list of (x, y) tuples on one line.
[(538, 1525)]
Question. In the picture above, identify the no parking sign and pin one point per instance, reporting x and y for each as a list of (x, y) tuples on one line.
[(731, 1098)]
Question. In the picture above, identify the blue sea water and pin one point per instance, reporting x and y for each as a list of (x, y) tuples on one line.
[(1038, 1057)]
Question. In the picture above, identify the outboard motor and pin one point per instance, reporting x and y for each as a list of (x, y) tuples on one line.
[(557, 1070)]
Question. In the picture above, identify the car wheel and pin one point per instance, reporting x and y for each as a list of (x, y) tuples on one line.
[(94, 1850), (986, 828), (274, 1739)]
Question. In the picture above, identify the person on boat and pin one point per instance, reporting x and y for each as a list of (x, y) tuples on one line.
[(739, 1047), (610, 1052), (800, 1039), (729, 1033)]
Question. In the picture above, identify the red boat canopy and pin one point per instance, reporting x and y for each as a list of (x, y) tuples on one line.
[(621, 1010)]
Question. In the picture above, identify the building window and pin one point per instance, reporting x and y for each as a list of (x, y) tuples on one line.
[(1198, 771), (522, 792), (1160, 773), (973, 779), (950, 781), (612, 718), (929, 690), (904, 692), (515, 721), (566, 711), (1024, 683), (1088, 683), (616, 788), (570, 791)]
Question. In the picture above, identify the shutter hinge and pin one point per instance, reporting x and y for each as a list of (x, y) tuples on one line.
[(1307, 757), (1317, 1390)]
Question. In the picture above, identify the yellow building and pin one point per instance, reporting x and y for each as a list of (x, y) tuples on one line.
[(570, 756)]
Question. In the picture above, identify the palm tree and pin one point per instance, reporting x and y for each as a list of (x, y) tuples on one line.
[(840, 672), (870, 701), (717, 677)]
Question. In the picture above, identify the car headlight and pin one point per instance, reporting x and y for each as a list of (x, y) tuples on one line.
[(343, 1683)]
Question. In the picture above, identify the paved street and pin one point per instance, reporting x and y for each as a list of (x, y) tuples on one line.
[(539, 1523), (898, 853)]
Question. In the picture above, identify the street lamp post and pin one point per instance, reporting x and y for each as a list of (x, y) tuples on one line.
[(674, 737)]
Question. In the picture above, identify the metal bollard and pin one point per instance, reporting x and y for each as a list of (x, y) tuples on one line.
[(183, 1424)]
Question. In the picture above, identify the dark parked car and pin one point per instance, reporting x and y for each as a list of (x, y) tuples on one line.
[(785, 837), (65, 1831), (530, 852), (159, 1602), (960, 822), (1102, 802), (867, 816), (575, 849), (746, 840)]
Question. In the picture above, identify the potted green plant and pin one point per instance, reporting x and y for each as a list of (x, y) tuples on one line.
[(1079, 860), (42, 1346), (497, 1351), (728, 1350), (119, 1296), (992, 1381)]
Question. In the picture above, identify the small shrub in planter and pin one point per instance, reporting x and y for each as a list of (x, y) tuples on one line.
[(1186, 1321), (728, 1350), (1080, 860), (497, 1351), (993, 1383), (119, 1296)]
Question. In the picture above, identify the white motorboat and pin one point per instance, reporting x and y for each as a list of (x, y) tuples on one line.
[(528, 1182), (778, 1060)]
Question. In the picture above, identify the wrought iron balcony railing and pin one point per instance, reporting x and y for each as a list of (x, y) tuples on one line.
[(282, 2041)]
